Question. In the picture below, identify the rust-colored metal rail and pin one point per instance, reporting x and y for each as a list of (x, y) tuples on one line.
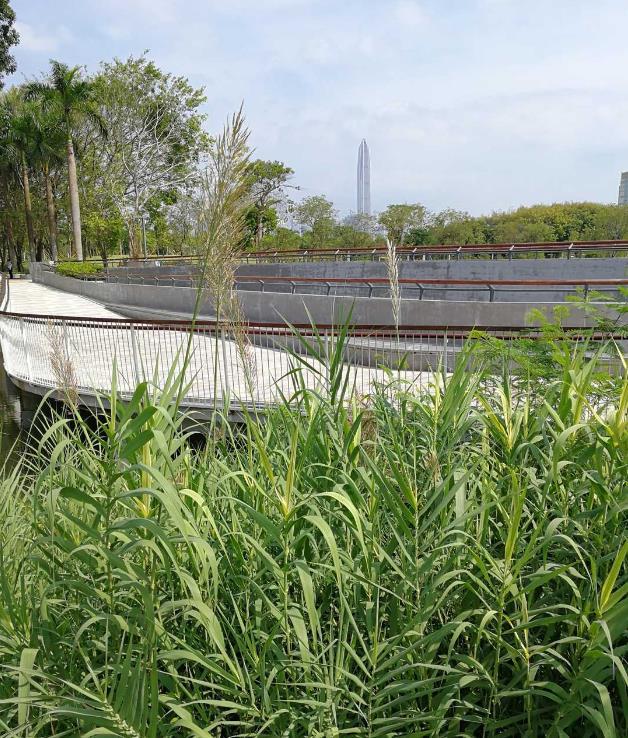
[(456, 251), (491, 286)]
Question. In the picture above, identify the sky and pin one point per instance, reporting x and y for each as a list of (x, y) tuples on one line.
[(478, 105)]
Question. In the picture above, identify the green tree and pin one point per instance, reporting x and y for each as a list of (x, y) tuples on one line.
[(106, 230), (8, 37), (345, 236), (154, 138), (74, 97), (451, 226), (21, 130), (47, 151), (399, 219), (283, 239), (611, 223), (10, 194), (268, 180), (258, 222), (318, 214)]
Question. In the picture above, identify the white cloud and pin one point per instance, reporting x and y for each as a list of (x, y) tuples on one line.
[(410, 13), (478, 104), (139, 13), (39, 41)]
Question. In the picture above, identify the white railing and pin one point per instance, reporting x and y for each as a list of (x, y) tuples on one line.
[(249, 366)]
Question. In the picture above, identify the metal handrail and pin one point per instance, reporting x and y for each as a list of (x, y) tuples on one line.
[(508, 250), (493, 286), (271, 279), (307, 329), (224, 370)]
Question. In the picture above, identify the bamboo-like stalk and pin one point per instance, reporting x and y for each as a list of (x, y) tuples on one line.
[(444, 562), (392, 268)]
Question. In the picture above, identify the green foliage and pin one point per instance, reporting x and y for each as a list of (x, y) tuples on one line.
[(317, 213), (79, 269), (105, 232), (8, 37), (281, 239), (258, 221), (68, 91), (578, 221), (439, 563), (399, 219), (267, 181)]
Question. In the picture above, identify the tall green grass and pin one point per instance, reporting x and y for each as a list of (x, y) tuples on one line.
[(446, 562)]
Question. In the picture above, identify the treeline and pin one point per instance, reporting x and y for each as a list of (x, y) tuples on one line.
[(115, 162), (575, 221), (413, 225), (90, 165)]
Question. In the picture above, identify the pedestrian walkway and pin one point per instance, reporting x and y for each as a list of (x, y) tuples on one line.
[(52, 339), (25, 296)]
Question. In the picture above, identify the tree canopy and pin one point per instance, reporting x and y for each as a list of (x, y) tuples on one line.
[(115, 161), (8, 37)]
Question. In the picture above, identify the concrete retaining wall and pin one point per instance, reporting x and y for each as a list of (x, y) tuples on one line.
[(575, 268), (154, 302)]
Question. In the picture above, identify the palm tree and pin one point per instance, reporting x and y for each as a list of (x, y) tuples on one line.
[(7, 175), (75, 99), (20, 130), (47, 144)]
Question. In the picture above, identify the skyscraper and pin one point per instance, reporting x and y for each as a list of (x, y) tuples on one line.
[(623, 189), (364, 179)]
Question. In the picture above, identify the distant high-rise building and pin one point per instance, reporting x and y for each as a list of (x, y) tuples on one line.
[(364, 179), (623, 189)]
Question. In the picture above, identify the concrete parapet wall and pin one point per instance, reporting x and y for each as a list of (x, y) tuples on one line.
[(277, 307), (576, 268), (481, 268)]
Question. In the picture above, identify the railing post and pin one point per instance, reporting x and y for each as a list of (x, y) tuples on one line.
[(26, 354), (491, 293), (135, 354), (569, 251)]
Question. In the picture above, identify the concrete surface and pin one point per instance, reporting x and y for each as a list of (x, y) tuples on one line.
[(276, 307)]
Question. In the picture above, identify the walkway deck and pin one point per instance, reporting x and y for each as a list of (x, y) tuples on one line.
[(82, 353), (25, 296)]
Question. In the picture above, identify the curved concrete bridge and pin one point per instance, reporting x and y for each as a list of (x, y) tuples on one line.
[(56, 342)]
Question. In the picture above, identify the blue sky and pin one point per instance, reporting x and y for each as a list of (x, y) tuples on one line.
[(472, 104)]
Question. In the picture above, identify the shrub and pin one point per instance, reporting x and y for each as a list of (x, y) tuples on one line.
[(80, 269)]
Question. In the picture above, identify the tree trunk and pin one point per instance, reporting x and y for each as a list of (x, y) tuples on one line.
[(134, 245), (74, 201), (28, 211), (11, 244), (52, 217), (19, 256), (259, 231)]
